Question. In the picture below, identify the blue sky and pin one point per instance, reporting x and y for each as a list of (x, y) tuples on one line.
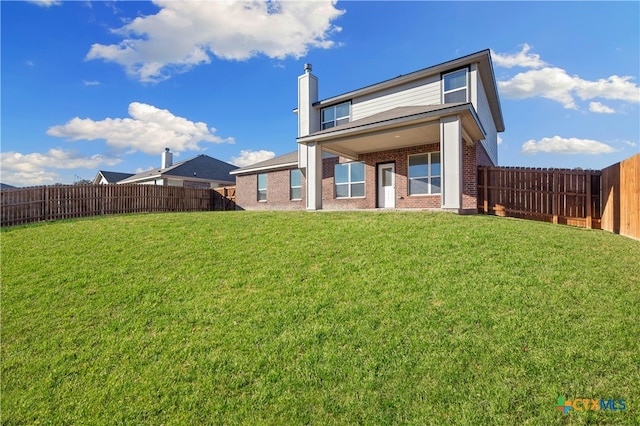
[(90, 86)]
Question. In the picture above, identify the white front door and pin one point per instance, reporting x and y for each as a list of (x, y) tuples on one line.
[(387, 185)]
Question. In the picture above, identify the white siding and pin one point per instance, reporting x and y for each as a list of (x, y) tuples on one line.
[(486, 118), (425, 91)]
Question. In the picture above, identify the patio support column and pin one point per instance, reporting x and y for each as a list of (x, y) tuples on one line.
[(313, 171), (451, 147)]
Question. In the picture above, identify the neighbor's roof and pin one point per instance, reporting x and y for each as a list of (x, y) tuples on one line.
[(282, 161), (201, 167), (112, 177)]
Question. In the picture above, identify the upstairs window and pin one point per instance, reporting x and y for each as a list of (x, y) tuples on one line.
[(262, 187), (455, 87), (295, 179), (349, 180), (424, 174), (335, 115)]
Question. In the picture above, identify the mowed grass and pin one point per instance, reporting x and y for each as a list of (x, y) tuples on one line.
[(317, 318)]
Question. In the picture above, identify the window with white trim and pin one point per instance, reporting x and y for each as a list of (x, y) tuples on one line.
[(349, 180), (295, 181), (262, 187), (424, 174), (455, 87), (335, 115)]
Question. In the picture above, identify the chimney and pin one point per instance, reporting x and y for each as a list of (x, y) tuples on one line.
[(167, 158), (308, 118)]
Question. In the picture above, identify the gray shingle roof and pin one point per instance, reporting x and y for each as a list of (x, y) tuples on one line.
[(200, 167), (113, 177), (392, 114), (272, 163)]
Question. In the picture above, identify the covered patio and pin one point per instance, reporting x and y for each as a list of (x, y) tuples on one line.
[(449, 125)]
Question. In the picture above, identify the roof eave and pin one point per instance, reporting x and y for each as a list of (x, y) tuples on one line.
[(491, 90), (138, 179), (272, 167)]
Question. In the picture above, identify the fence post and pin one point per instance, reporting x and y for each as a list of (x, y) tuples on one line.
[(589, 202), (47, 203), (485, 190), (101, 191), (555, 200)]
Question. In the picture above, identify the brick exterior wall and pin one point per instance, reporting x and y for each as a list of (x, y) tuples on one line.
[(469, 177), (329, 201), (472, 156), (278, 192), (278, 183)]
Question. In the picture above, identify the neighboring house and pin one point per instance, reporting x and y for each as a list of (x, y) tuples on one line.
[(414, 141), (103, 177), (197, 172)]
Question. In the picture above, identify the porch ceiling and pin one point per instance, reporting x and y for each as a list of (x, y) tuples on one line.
[(397, 128), (384, 139)]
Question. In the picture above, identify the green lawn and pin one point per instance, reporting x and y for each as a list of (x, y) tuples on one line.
[(317, 318)]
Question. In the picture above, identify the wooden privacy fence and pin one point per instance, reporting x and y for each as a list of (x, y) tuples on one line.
[(621, 197), (570, 197), (227, 198), (26, 205), (603, 199)]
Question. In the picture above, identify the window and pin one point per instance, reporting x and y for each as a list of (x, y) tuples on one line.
[(424, 174), (262, 187), (295, 179), (336, 115), (455, 87), (349, 179)]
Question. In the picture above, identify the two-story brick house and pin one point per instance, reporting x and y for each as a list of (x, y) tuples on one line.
[(413, 141)]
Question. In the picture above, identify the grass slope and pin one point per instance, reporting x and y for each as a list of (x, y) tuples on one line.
[(327, 318)]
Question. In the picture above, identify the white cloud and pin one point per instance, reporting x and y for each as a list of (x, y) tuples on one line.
[(614, 87), (559, 145), (248, 157), (55, 158), (184, 34), (550, 83), (600, 108), (37, 168), (46, 3), (91, 83), (556, 84), (150, 130), (499, 140), (38, 178), (520, 59)]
